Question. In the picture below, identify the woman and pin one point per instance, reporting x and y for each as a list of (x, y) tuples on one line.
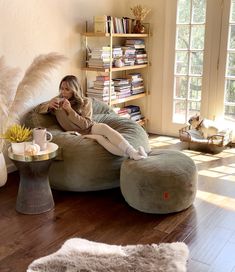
[(74, 113)]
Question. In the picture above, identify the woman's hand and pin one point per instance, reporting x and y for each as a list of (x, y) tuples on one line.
[(66, 105), (54, 103)]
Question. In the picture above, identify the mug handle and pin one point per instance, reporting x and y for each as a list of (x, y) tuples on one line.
[(50, 136)]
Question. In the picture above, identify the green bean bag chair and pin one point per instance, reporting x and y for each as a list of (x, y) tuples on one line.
[(84, 165)]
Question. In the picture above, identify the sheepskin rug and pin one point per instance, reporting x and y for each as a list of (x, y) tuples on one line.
[(80, 255)]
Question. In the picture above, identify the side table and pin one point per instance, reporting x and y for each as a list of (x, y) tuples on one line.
[(34, 194)]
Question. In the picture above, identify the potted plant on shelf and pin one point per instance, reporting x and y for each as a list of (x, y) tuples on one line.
[(139, 13), (17, 135)]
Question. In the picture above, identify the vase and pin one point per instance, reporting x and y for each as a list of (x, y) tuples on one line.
[(138, 27), (18, 148), (3, 170)]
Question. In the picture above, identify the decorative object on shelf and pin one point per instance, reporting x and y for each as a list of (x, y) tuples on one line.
[(139, 13), (139, 27), (118, 63), (3, 170)]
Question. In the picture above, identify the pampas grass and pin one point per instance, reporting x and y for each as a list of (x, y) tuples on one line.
[(8, 84), (15, 98)]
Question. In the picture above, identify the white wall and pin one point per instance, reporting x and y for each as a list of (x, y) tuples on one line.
[(33, 27)]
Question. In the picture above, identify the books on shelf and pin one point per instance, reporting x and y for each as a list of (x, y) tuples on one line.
[(137, 83), (131, 112), (102, 88), (107, 23)]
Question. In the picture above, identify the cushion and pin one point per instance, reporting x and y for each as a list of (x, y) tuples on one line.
[(165, 182)]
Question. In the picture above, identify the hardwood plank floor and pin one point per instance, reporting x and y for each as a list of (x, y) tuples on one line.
[(207, 227)]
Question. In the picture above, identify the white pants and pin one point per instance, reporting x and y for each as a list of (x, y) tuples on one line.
[(109, 138)]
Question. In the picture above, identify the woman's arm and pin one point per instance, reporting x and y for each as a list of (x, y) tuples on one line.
[(84, 119), (46, 107)]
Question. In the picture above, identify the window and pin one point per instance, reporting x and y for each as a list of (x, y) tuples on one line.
[(229, 97), (189, 54)]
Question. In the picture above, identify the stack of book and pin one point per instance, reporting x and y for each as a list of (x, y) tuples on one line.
[(128, 55), (122, 112), (117, 53), (100, 57), (140, 52), (134, 112), (101, 89), (137, 83), (122, 87)]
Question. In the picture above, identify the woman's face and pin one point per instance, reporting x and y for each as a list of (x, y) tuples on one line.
[(65, 91)]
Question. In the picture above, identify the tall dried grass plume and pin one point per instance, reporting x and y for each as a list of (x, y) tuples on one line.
[(15, 95)]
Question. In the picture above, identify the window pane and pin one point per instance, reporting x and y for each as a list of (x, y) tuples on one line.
[(195, 88), (229, 97), (230, 112), (199, 11), (181, 62), (196, 59), (179, 112), (190, 29), (197, 37), (181, 86), (194, 108), (232, 16), (230, 91), (232, 37), (182, 37), (183, 12), (231, 65)]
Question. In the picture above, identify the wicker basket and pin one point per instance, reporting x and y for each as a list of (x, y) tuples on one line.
[(213, 144)]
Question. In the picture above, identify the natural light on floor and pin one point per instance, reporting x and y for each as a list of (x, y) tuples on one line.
[(219, 200), (226, 172), (163, 141)]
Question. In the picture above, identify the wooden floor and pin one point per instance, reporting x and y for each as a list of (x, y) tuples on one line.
[(207, 227)]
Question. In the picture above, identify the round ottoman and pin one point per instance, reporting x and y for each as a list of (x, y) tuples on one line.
[(165, 182)]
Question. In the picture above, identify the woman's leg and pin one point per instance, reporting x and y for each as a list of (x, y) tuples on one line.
[(106, 144), (117, 140)]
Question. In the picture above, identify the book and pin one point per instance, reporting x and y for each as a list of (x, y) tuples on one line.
[(132, 108), (100, 23)]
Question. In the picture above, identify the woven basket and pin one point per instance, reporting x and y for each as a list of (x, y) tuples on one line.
[(213, 144)]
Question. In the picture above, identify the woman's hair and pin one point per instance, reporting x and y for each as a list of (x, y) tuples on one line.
[(74, 85)]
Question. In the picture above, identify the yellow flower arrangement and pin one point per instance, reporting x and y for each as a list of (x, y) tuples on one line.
[(17, 133), (140, 12)]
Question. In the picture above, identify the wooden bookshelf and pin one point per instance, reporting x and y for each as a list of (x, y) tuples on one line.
[(111, 70)]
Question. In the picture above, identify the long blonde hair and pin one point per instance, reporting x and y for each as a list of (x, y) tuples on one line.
[(74, 85)]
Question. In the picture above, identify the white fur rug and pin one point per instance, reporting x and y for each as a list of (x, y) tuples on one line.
[(80, 255)]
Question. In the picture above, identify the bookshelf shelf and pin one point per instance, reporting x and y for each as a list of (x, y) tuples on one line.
[(129, 98), (117, 35), (114, 69)]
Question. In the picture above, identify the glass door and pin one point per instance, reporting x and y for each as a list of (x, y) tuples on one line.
[(200, 64)]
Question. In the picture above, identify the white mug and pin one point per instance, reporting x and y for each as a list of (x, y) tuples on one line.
[(40, 137)]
